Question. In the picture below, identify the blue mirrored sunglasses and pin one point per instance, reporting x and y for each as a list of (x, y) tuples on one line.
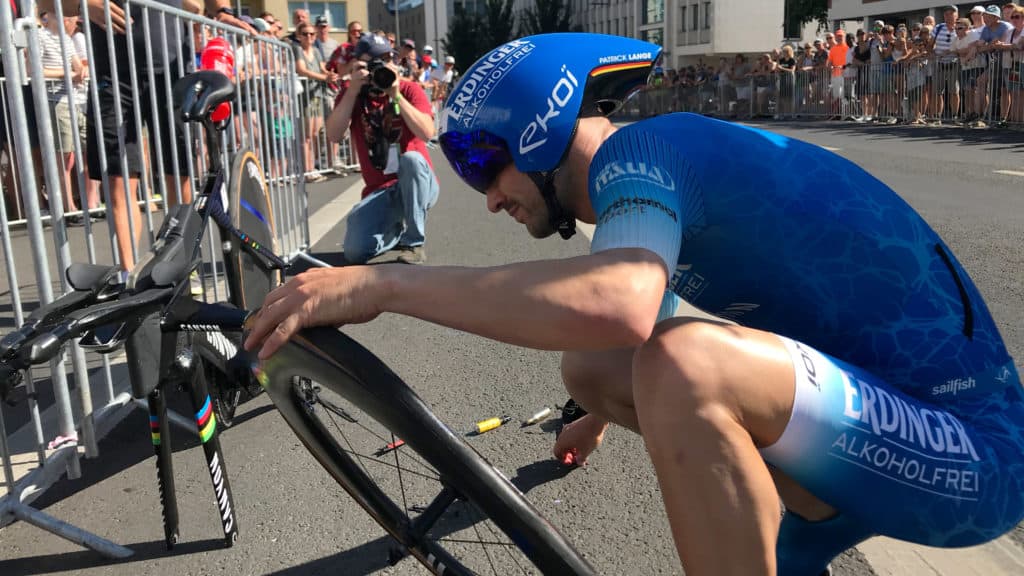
[(477, 157)]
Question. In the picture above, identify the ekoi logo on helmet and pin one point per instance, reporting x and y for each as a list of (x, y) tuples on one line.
[(535, 134)]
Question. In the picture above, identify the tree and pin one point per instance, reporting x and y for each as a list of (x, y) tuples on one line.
[(499, 22), (801, 12), (547, 16), (463, 40)]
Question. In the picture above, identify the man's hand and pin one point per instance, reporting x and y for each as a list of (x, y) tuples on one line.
[(230, 20), (117, 16), (319, 297), (359, 76), (579, 439), (394, 90)]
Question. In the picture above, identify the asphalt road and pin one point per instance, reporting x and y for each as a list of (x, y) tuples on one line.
[(294, 521)]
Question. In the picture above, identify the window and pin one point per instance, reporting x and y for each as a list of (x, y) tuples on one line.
[(653, 11), (695, 13), (682, 18), (791, 27), (707, 15), (336, 12), (653, 36)]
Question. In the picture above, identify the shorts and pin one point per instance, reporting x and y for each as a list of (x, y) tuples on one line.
[(903, 466), (63, 135), (836, 85), (743, 92), (969, 78), (947, 78), (313, 108), (1015, 78), (102, 133)]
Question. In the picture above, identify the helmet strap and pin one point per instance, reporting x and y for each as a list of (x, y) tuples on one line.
[(559, 218)]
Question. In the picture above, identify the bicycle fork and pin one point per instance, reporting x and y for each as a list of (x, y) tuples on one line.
[(183, 368), (206, 424)]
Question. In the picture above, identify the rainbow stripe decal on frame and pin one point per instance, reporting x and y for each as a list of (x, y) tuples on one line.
[(206, 421)]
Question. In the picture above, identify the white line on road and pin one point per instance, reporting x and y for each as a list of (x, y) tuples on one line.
[(1009, 172)]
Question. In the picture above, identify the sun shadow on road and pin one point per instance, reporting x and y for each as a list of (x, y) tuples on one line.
[(68, 562), (376, 555)]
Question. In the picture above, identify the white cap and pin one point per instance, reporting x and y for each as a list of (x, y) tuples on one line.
[(428, 48), (978, 9), (449, 59)]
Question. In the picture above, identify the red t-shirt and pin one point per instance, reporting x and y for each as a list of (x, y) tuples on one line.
[(408, 142)]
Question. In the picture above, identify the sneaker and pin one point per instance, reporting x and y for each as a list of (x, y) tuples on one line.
[(890, 121), (980, 124), (411, 254)]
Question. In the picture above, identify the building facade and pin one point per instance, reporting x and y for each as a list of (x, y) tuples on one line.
[(862, 13), (339, 12)]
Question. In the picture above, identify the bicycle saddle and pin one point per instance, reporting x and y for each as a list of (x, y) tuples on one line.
[(197, 94)]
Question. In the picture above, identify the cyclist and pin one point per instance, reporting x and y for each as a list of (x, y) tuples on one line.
[(865, 377)]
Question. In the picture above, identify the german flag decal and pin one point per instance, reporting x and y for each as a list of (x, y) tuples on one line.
[(616, 67)]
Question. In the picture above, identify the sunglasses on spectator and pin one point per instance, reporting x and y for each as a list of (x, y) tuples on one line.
[(307, 34), (961, 28), (1016, 17)]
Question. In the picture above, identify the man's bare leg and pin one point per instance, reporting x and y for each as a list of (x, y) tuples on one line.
[(707, 396), (121, 209)]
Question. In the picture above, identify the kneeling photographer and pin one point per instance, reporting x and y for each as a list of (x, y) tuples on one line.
[(391, 123)]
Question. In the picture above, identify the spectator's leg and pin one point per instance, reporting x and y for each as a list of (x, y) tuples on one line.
[(373, 226), (121, 208), (419, 190), (65, 152)]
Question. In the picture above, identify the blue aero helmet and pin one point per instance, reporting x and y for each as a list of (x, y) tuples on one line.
[(520, 102)]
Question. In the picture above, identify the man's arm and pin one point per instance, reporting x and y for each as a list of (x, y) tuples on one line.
[(340, 117), (415, 112), (605, 300)]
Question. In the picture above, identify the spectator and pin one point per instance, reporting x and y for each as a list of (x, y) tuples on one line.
[(916, 77), (58, 49), (837, 61), (299, 18), (407, 58), (787, 81), (886, 79), (323, 42), (1015, 73), (805, 77), (946, 76), (342, 57), (850, 76), (929, 21), (276, 29), (862, 61), (443, 81), (764, 83), (104, 133), (390, 126), (392, 40), (1007, 10), (977, 18), (741, 78), (971, 65), (309, 64), (75, 26), (427, 57), (994, 37)]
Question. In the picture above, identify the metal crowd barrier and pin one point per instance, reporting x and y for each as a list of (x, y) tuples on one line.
[(916, 90), (43, 168)]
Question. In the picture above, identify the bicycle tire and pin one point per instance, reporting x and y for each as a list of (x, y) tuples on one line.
[(335, 361), (251, 212)]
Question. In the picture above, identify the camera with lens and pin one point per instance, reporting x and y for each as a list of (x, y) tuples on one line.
[(381, 77)]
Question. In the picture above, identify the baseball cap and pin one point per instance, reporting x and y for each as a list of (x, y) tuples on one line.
[(878, 24), (260, 25), (322, 21), (409, 42), (977, 10), (373, 45), (993, 10), (428, 48), (449, 59)]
